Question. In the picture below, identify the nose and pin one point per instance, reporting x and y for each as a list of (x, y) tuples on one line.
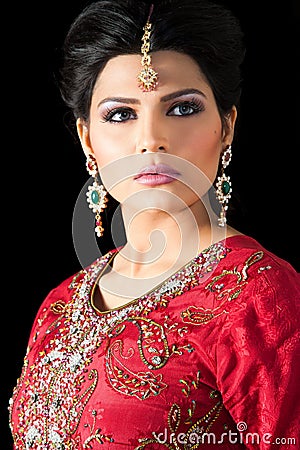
[(161, 148), (151, 135)]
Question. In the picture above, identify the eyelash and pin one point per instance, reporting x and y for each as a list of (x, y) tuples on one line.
[(195, 104), (109, 113)]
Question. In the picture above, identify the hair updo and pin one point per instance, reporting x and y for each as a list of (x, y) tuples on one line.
[(204, 30)]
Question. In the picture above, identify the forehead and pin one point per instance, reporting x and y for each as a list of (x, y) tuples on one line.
[(175, 70)]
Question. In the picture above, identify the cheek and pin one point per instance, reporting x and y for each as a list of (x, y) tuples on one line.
[(202, 148), (122, 191), (107, 147)]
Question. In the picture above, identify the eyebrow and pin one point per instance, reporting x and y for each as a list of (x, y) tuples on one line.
[(163, 99), (176, 94)]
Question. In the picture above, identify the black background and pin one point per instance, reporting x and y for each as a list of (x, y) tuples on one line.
[(44, 167)]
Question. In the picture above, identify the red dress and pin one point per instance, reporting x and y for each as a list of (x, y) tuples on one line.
[(208, 358)]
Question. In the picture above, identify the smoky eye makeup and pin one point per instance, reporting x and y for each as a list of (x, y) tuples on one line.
[(186, 107), (117, 114), (182, 105)]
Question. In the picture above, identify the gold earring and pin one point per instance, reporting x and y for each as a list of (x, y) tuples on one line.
[(223, 185), (147, 77), (96, 194)]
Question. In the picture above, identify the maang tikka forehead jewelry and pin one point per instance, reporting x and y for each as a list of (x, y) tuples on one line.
[(147, 77)]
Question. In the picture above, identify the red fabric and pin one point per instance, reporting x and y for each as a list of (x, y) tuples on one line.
[(215, 350)]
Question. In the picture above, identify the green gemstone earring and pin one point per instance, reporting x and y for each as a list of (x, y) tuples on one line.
[(223, 186), (96, 194)]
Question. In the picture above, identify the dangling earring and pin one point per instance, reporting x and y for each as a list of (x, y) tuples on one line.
[(96, 194), (223, 185)]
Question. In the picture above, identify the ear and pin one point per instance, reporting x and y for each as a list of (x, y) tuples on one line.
[(84, 136), (228, 132)]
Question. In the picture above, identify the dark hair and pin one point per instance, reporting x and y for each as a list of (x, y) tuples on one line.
[(206, 31)]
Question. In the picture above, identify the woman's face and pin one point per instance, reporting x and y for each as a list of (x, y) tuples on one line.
[(174, 130)]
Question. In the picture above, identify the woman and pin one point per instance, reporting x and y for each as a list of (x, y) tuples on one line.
[(187, 334)]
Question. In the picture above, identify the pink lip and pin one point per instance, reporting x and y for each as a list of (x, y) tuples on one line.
[(157, 174)]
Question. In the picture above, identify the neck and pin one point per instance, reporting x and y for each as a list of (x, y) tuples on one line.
[(157, 240), (158, 245)]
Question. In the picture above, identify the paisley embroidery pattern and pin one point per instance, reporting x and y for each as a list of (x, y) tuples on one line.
[(227, 286), (194, 436), (139, 384), (59, 382), (200, 316), (111, 379), (228, 276)]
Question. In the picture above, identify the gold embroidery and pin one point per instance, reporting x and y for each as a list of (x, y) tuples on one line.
[(174, 417), (96, 434), (81, 401), (140, 385), (203, 425), (74, 282), (193, 437), (58, 307), (56, 379), (241, 277), (200, 315)]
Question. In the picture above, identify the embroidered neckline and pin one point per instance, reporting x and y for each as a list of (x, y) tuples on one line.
[(71, 341), (191, 274)]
